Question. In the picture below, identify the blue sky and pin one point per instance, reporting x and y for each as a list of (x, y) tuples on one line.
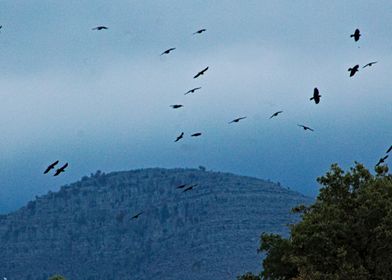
[(100, 100)]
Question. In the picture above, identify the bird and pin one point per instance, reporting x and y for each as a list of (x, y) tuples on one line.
[(168, 51), (101, 27), (353, 70), (200, 73), (182, 186), (176, 106), (305, 127), (137, 215), (370, 64), (390, 149), (316, 96), (200, 31), (192, 90), (179, 137), (51, 166), (196, 134), (276, 114), (61, 169), (237, 120), (356, 35), (189, 188), (382, 160)]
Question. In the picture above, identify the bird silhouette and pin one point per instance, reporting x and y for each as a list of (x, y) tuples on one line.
[(137, 215), (382, 160), (192, 90), (51, 166), (196, 134), (200, 73), (316, 96), (179, 137), (353, 70), (370, 64), (189, 188), (237, 120), (176, 106), (200, 31), (101, 27), (305, 127), (390, 149), (276, 114), (181, 186), (168, 51), (61, 169), (356, 35)]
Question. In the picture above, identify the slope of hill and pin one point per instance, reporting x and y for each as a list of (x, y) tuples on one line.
[(85, 230)]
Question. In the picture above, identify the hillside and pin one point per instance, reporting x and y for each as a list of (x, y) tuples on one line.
[(85, 230)]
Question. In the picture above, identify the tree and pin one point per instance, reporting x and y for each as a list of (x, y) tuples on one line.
[(345, 234), (57, 277)]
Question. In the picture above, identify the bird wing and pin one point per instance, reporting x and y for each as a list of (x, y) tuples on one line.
[(390, 149)]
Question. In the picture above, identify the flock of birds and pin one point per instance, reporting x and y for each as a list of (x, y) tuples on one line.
[(316, 98)]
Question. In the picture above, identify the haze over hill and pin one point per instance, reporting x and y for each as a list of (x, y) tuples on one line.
[(86, 230)]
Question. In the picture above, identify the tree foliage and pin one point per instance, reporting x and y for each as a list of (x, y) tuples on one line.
[(345, 234), (57, 277)]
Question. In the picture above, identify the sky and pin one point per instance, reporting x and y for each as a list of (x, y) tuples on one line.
[(99, 100)]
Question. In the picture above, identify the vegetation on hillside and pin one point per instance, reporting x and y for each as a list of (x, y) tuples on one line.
[(345, 234)]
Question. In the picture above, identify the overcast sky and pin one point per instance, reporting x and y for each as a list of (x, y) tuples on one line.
[(100, 99)]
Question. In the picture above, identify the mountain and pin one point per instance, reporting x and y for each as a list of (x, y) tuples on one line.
[(85, 231)]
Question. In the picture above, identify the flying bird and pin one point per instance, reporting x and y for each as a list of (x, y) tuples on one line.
[(382, 160), (101, 27), (237, 120), (200, 73), (168, 51), (176, 106), (200, 31), (189, 188), (370, 64), (390, 149), (192, 90), (305, 127), (182, 186), (276, 114), (196, 134), (61, 169), (316, 96), (137, 215), (356, 35), (51, 166), (179, 137), (353, 70)]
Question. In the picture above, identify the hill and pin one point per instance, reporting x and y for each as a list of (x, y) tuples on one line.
[(85, 230)]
